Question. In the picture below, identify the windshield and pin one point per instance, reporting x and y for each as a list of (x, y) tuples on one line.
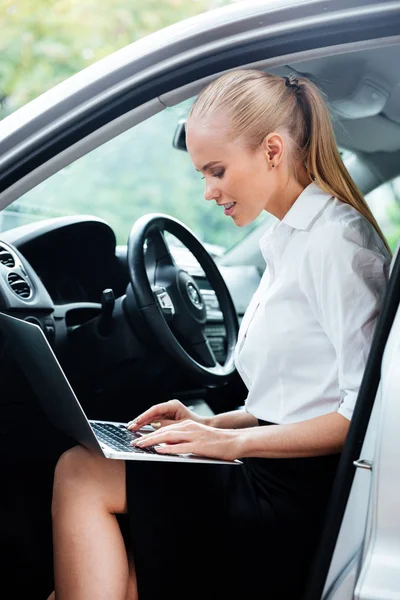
[(136, 173)]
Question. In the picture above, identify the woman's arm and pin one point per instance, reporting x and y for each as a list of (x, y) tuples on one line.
[(315, 437), (235, 419)]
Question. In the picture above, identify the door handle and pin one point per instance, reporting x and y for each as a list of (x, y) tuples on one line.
[(363, 463)]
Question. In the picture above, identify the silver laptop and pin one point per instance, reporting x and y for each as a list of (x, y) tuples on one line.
[(38, 362)]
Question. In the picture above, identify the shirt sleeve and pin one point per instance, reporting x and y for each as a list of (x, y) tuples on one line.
[(345, 283)]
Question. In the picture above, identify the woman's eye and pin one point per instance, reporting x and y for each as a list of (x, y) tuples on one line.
[(218, 174)]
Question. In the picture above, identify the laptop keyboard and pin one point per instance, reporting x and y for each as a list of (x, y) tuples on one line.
[(118, 437)]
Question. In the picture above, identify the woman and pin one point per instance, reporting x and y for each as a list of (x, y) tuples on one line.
[(262, 142)]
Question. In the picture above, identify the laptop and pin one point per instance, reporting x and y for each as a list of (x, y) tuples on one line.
[(38, 362)]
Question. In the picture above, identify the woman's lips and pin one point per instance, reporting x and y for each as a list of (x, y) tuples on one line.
[(228, 208)]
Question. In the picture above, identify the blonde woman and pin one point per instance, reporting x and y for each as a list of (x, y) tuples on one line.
[(261, 142)]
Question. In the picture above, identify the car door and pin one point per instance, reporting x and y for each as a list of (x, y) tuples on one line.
[(364, 563), (379, 561)]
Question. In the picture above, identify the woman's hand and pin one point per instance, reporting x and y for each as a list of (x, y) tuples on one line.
[(164, 414), (193, 437)]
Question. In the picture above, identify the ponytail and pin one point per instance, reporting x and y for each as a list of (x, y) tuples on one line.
[(321, 155)]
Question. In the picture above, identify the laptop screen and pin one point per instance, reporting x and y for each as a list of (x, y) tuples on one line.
[(39, 364)]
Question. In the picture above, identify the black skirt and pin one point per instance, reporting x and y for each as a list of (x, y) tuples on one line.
[(221, 531)]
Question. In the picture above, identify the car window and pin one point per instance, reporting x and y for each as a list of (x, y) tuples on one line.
[(384, 202), (136, 173)]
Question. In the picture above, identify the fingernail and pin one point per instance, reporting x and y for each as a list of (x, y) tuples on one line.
[(155, 425), (132, 423)]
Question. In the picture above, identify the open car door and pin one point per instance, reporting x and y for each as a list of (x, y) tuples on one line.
[(360, 546)]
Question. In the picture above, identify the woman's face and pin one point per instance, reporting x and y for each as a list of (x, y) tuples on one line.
[(241, 181)]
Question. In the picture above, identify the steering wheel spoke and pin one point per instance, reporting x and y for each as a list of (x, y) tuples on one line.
[(201, 348), (165, 302), (158, 248)]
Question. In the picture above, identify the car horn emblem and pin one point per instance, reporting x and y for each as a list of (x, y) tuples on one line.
[(194, 295)]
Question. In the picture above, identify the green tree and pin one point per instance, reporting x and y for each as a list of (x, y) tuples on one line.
[(43, 42)]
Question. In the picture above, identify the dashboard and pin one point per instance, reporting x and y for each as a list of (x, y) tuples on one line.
[(75, 261), (68, 262)]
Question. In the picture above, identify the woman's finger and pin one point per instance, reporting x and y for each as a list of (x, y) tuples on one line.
[(154, 414), (163, 423), (163, 436), (168, 425), (174, 449)]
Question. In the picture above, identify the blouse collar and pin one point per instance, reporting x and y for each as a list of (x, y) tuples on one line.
[(306, 207)]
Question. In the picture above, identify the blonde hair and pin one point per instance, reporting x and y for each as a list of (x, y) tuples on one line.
[(258, 103)]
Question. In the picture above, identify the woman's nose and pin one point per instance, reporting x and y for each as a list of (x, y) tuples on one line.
[(211, 192)]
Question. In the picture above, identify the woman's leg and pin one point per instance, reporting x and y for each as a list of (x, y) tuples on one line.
[(131, 593), (90, 559)]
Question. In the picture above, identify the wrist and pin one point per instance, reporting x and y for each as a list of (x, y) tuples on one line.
[(240, 445), (238, 442), (209, 421)]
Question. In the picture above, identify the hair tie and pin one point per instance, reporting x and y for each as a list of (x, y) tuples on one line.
[(293, 84)]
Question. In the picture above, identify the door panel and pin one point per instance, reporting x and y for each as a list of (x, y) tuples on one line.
[(380, 572), (350, 541)]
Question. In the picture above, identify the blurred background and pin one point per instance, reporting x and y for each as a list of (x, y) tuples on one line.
[(43, 42)]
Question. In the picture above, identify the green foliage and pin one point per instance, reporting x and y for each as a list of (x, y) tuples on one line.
[(43, 42), (393, 213)]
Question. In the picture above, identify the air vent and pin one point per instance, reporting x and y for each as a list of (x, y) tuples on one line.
[(19, 286), (6, 257)]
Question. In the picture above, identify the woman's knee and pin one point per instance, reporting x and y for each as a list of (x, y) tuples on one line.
[(75, 465), (81, 471)]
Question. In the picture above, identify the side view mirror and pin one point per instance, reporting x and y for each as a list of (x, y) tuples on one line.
[(179, 141)]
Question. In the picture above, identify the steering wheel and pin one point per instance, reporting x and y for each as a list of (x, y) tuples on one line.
[(170, 300)]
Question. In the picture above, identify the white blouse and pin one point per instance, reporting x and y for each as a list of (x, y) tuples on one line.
[(304, 339)]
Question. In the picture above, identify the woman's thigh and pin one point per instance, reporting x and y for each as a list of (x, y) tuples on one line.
[(81, 473)]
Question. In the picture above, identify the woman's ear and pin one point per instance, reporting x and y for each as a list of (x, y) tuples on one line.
[(273, 149)]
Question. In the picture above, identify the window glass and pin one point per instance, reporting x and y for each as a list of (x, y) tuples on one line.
[(384, 203), (136, 173)]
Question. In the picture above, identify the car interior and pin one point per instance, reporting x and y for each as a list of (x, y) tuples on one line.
[(87, 288)]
